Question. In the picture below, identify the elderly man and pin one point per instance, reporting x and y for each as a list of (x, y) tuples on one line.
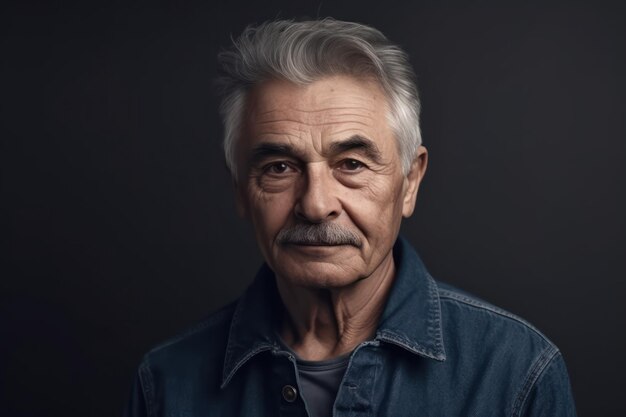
[(323, 142)]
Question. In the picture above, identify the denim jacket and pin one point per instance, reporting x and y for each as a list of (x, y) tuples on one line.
[(437, 352)]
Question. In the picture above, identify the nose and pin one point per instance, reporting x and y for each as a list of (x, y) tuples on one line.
[(317, 199)]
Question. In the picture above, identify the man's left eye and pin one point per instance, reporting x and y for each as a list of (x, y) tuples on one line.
[(351, 165)]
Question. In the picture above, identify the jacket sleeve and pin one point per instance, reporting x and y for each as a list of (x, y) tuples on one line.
[(136, 406), (551, 395)]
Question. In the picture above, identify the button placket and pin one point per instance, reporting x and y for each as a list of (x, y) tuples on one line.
[(284, 386)]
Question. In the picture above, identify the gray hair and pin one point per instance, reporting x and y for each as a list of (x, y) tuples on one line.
[(303, 52)]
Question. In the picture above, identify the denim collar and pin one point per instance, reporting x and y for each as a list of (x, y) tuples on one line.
[(411, 318)]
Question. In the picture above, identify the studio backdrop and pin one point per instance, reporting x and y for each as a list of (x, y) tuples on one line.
[(118, 215)]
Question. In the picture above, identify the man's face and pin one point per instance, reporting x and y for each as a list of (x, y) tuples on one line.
[(321, 179)]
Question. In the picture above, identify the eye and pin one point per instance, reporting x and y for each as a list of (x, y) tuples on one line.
[(277, 168), (351, 165)]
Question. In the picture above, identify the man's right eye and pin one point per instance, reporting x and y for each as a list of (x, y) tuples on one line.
[(279, 167)]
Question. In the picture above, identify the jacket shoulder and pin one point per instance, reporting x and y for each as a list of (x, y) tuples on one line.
[(463, 306), (505, 345)]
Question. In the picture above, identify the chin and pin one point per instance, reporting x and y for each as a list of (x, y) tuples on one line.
[(317, 275)]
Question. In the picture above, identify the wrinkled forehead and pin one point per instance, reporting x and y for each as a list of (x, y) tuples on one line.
[(328, 107)]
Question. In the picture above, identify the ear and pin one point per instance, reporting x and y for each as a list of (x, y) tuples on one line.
[(413, 180)]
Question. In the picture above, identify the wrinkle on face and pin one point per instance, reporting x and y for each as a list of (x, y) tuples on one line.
[(321, 120)]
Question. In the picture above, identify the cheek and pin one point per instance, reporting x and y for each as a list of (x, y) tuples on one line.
[(270, 211), (375, 208)]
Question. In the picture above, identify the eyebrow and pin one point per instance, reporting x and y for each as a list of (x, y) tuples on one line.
[(357, 143), (266, 149), (353, 143)]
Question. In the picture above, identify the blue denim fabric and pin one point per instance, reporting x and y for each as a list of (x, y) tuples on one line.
[(437, 352)]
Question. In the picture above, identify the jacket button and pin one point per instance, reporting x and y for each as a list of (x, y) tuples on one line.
[(289, 393)]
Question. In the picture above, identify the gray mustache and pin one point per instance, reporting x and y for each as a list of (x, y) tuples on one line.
[(318, 234)]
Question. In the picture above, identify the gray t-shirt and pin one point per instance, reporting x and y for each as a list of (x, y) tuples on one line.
[(319, 382)]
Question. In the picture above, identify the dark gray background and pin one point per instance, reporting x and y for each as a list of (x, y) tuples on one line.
[(117, 212)]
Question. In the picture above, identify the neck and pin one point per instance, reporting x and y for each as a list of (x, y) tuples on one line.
[(324, 323)]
